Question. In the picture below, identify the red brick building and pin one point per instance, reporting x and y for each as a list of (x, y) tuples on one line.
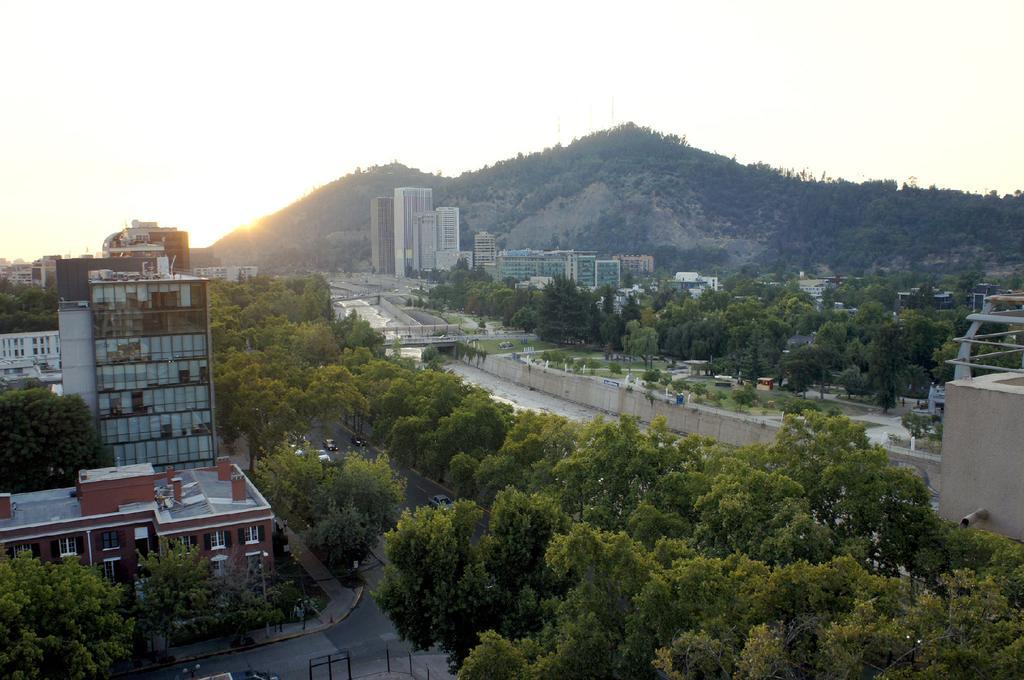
[(113, 512)]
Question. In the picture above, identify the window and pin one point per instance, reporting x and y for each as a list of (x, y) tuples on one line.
[(217, 540), (32, 548), (110, 568), (111, 540), (67, 546), (253, 534), (188, 541), (219, 565)]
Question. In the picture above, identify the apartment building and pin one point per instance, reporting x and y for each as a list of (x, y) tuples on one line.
[(484, 249), (642, 265), (111, 514), (41, 346), (135, 346)]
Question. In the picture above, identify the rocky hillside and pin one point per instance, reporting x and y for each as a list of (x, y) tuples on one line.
[(633, 190)]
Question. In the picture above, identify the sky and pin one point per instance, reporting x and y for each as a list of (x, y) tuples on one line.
[(208, 115)]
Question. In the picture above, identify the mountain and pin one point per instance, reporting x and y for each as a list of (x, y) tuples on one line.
[(631, 189)]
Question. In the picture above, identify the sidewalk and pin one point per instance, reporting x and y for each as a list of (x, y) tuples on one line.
[(341, 603)]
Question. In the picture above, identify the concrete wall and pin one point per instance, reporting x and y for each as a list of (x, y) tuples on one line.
[(983, 452), (78, 353), (734, 429), (399, 316)]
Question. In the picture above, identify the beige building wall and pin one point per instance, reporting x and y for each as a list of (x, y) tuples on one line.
[(983, 452)]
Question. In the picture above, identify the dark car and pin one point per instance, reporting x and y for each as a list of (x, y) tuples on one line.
[(330, 445), (440, 501), (358, 440)]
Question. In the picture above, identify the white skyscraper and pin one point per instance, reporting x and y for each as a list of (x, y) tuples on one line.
[(408, 202), (447, 228)]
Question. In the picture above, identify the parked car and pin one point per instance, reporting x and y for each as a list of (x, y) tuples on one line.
[(324, 456), (440, 501), (358, 440), (330, 445)]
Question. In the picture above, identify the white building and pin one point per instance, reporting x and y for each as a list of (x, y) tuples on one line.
[(484, 249), (445, 260), (237, 274), (409, 201), (447, 228), (695, 282), (815, 287), (41, 346)]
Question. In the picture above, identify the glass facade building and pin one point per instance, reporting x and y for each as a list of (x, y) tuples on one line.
[(520, 265), (154, 394), (607, 273)]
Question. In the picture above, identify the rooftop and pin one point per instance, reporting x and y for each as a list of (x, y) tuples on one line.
[(202, 494), (110, 276)]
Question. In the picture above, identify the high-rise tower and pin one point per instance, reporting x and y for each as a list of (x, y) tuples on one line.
[(382, 235), (447, 228), (408, 202)]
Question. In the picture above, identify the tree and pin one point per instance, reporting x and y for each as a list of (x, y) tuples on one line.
[(342, 509), (641, 341), (495, 658), (59, 620), (255, 398), (435, 589), (919, 425), (801, 367), (745, 396), (174, 589), (44, 440), (886, 360)]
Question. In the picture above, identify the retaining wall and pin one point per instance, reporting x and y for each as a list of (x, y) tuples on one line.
[(398, 314), (737, 430)]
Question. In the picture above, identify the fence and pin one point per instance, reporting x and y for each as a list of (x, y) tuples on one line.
[(397, 662)]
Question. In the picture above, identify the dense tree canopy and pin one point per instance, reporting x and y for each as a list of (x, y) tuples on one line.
[(638, 551), (59, 620), (27, 308), (45, 439)]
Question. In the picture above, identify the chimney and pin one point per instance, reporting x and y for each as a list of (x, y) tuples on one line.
[(5, 506), (237, 488), (176, 483), (223, 469)]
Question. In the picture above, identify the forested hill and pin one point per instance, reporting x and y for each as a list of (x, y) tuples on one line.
[(634, 190)]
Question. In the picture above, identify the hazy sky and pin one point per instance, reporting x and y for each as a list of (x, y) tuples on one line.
[(208, 115)]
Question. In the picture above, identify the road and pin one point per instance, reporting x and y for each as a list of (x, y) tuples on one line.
[(367, 633)]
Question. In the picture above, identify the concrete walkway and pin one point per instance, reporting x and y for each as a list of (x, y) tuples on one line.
[(341, 602)]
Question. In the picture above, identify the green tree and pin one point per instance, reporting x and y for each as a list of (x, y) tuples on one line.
[(886, 361), (745, 396), (174, 589), (45, 439), (495, 658), (256, 398), (341, 509), (435, 589), (641, 341), (59, 620)]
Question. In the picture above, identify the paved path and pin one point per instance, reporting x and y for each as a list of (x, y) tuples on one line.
[(340, 604)]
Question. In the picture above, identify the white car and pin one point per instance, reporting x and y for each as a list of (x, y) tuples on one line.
[(324, 456)]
